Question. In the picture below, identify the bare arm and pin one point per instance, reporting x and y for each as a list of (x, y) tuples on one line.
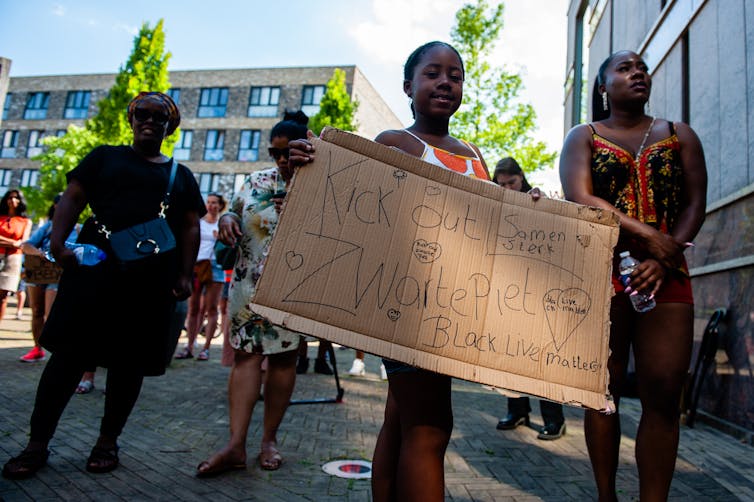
[(188, 245), (67, 212), (694, 185)]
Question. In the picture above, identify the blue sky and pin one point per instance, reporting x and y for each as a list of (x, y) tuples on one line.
[(49, 37)]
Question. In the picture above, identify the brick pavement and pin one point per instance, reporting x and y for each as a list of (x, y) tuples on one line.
[(181, 418)]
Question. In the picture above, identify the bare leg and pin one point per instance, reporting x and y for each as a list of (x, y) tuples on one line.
[(663, 353), (386, 454), (38, 311), (602, 432), (210, 304), (281, 378), (21, 301), (243, 392), (3, 303), (425, 419), (193, 318)]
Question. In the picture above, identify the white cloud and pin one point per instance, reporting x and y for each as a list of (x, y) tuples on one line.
[(58, 10), (128, 28)]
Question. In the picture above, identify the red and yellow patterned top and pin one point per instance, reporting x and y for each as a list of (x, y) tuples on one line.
[(650, 190)]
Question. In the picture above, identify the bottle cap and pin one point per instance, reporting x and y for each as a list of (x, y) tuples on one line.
[(625, 253)]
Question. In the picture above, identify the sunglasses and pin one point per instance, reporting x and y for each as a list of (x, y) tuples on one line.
[(276, 153), (158, 117)]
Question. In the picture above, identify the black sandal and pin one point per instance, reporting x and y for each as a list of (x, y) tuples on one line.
[(26, 464), (102, 459)]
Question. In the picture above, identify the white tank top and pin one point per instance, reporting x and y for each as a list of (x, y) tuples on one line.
[(207, 233)]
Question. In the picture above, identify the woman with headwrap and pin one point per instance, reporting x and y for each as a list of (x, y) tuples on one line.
[(99, 307)]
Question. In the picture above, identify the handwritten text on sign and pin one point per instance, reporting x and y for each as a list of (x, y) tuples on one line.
[(409, 260)]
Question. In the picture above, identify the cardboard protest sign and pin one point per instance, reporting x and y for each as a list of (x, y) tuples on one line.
[(382, 252), (39, 270)]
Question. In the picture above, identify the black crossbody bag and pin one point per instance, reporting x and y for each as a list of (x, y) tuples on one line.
[(144, 239)]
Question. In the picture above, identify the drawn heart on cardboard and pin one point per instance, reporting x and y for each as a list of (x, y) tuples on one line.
[(432, 190), (426, 252), (565, 309), (393, 314), (294, 260)]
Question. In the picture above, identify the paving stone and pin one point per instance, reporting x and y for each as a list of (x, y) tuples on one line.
[(181, 418)]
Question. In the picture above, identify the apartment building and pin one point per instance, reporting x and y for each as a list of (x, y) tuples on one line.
[(699, 55), (226, 116)]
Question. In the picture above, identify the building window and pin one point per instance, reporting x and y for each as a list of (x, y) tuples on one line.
[(182, 150), (36, 105), (77, 105), (10, 142), (175, 95), (238, 181), (34, 145), (6, 106), (5, 176), (311, 97), (212, 102), (248, 148), (29, 177), (213, 146), (208, 182), (263, 101)]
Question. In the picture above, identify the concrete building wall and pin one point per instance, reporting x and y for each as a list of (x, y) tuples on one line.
[(4, 80), (705, 47)]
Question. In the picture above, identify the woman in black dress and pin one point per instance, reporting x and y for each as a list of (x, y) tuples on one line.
[(99, 307)]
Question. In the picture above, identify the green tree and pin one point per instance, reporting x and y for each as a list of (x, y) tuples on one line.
[(491, 115), (145, 70), (336, 109)]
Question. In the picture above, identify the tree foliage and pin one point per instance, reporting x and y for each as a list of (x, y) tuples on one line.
[(336, 109), (491, 115), (145, 70)]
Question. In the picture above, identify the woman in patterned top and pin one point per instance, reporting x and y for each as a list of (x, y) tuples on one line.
[(651, 173), (250, 222)]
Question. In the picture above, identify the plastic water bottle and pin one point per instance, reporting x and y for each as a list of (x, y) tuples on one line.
[(86, 254), (641, 302)]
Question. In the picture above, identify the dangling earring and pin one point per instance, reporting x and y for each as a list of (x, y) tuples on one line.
[(604, 100)]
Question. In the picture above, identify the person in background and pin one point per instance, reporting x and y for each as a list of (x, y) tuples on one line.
[(208, 282), (15, 228), (321, 365), (98, 307), (650, 172), (358, 367), (508, 174), (21, 297), (251, 221), (227, 355), (41, 296)]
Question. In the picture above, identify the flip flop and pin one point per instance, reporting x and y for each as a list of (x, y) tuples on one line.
[(85, 387), (271, 459), (206, 469)]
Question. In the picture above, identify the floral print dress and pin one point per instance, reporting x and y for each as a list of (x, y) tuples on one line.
[(251, 332)]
